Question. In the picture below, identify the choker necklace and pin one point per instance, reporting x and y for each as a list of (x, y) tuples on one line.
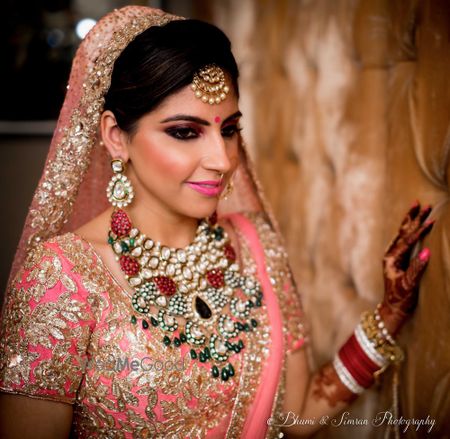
[(196, 283)]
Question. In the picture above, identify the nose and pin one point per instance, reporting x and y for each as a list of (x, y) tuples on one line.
[(217, 157)]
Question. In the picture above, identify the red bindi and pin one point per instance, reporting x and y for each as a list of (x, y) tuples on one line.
[(217, 119)]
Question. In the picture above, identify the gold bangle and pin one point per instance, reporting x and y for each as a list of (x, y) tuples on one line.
[(391, 352)]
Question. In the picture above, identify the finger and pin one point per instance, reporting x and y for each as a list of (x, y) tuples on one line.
[(414, 210), (408, 219), (402, 253), (411, 214), (424, 213), (416, 223), (416, 269), (405, 226), (424, 230), (410, 233), (412, 238)]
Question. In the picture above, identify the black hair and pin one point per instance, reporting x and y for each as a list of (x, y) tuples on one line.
[(162, 60)]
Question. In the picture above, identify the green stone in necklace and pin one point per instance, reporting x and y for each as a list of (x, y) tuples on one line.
[(200, 283)]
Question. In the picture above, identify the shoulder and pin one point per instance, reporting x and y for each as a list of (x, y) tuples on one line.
[(64, 266), (62, 252), (59, 246), (255, 238), (246, 221), (257, 230)]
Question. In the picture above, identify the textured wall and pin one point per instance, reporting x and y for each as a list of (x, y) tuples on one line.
[(347, 109)]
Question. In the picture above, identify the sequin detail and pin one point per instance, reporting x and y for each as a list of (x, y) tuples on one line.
[(94, 344)]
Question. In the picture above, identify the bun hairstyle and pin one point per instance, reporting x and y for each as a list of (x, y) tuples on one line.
[(162, 60)]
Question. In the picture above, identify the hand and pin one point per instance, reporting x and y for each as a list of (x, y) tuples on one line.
[(402, 275)]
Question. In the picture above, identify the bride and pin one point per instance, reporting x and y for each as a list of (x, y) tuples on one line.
[(160, 303)]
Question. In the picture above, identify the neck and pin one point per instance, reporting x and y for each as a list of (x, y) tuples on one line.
[(172, 230)]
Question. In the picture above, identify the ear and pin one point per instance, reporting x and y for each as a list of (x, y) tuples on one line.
[(114, 138)]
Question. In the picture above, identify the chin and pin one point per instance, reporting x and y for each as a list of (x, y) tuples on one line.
[(202, 210)]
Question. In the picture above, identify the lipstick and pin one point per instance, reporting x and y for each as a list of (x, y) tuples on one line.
[(209, 188)]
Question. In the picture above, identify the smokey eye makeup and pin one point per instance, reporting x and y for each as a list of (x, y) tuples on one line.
[(230, 130), (183, 132), (191, 127)]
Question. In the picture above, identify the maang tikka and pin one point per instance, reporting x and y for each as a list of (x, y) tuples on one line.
[(119, 191), (209, 84)]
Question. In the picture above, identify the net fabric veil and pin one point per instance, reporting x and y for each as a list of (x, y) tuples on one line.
[(72, 187)]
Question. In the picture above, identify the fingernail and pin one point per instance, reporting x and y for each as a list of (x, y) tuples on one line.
[(429, 222), (415, 204), (424, 255)]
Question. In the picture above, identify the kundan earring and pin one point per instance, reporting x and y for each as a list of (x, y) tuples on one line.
[(119, 191)]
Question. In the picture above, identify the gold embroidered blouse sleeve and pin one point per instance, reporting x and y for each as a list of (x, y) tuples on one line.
[(46, 326)]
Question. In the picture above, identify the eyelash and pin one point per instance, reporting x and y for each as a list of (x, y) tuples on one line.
[(230, 130), (188, 133)]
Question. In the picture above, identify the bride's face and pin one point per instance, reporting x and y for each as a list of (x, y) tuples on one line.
[(183, 153)]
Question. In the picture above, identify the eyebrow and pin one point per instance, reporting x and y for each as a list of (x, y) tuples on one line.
[(198, 120)]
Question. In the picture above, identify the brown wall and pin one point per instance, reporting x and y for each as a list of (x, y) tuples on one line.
[(347, 106)]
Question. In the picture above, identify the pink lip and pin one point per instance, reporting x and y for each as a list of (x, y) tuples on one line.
[(209, 188)]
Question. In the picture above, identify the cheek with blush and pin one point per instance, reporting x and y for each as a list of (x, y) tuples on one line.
[(163, 165), (234, 157)]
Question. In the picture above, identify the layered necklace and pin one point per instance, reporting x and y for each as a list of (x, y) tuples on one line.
[(200, 283)]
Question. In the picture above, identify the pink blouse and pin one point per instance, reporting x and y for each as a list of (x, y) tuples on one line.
[(67, 336)]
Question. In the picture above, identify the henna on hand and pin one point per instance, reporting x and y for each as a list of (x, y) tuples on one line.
[(401, 274), (327, 385)]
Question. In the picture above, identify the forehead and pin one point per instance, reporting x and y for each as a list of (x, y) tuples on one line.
[(184, 101)]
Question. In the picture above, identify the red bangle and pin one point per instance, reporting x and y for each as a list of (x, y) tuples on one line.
[(359, 373), (359, 365), (359, 351)]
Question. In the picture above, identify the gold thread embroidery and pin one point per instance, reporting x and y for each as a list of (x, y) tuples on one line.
[(106, 393), (65, 171)]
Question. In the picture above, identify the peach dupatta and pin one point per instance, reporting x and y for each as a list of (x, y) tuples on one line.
[(269, 393)]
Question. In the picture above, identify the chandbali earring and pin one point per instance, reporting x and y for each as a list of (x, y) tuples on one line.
[(119, 191), (228, 190)]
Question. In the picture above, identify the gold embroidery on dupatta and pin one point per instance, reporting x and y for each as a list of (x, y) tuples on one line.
[(288, 299), (255, 354), (56, 193), (280, 277)]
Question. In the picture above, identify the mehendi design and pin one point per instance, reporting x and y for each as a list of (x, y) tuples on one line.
[(401, 277), (327, 385)]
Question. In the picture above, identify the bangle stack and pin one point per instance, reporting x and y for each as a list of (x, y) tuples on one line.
[(381, 326), (366, 354)]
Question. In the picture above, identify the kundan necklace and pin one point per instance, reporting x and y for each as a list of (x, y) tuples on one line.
[(196, 283)]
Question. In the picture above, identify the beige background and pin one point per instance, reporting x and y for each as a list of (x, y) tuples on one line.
[(349, 105)]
